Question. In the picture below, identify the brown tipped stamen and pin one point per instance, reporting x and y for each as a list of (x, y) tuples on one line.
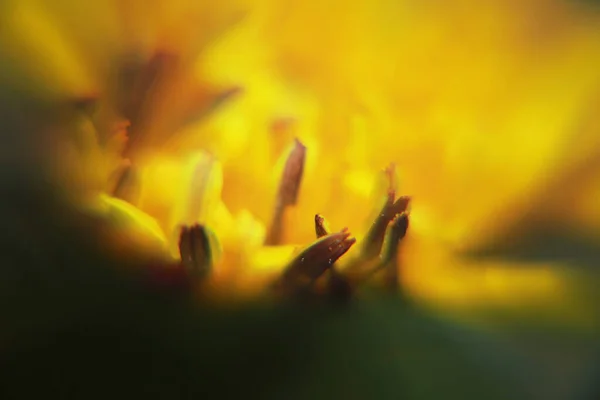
[(390, 173), (289, 188), (292, 175), (194, 248), (395, 233), (311, 263), (401, 205), (376, 235), (321, 226), (337, 285), (388, 261)]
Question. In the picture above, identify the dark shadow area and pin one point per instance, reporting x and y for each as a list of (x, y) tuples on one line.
[(78, 325)]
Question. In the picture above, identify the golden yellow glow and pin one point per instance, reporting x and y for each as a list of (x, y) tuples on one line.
[(59, 67), (480, 105)]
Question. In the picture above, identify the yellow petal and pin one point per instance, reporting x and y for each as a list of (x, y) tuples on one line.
[(132, 230)]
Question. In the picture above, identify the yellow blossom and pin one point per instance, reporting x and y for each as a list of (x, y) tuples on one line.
[(485, 109)]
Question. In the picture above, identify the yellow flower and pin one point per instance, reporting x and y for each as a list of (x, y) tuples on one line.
[(487, 111)]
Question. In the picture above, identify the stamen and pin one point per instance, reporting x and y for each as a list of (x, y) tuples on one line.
[(387, 230), (194, 248), (390, 172), (314, 261), (389, 260), (375, 236), (292, 175), (321, 226), (395, 233), (392, 207), (288, 192), (337, 285)]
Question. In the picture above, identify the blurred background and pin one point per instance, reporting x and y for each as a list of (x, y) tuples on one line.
[(122, 121)]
